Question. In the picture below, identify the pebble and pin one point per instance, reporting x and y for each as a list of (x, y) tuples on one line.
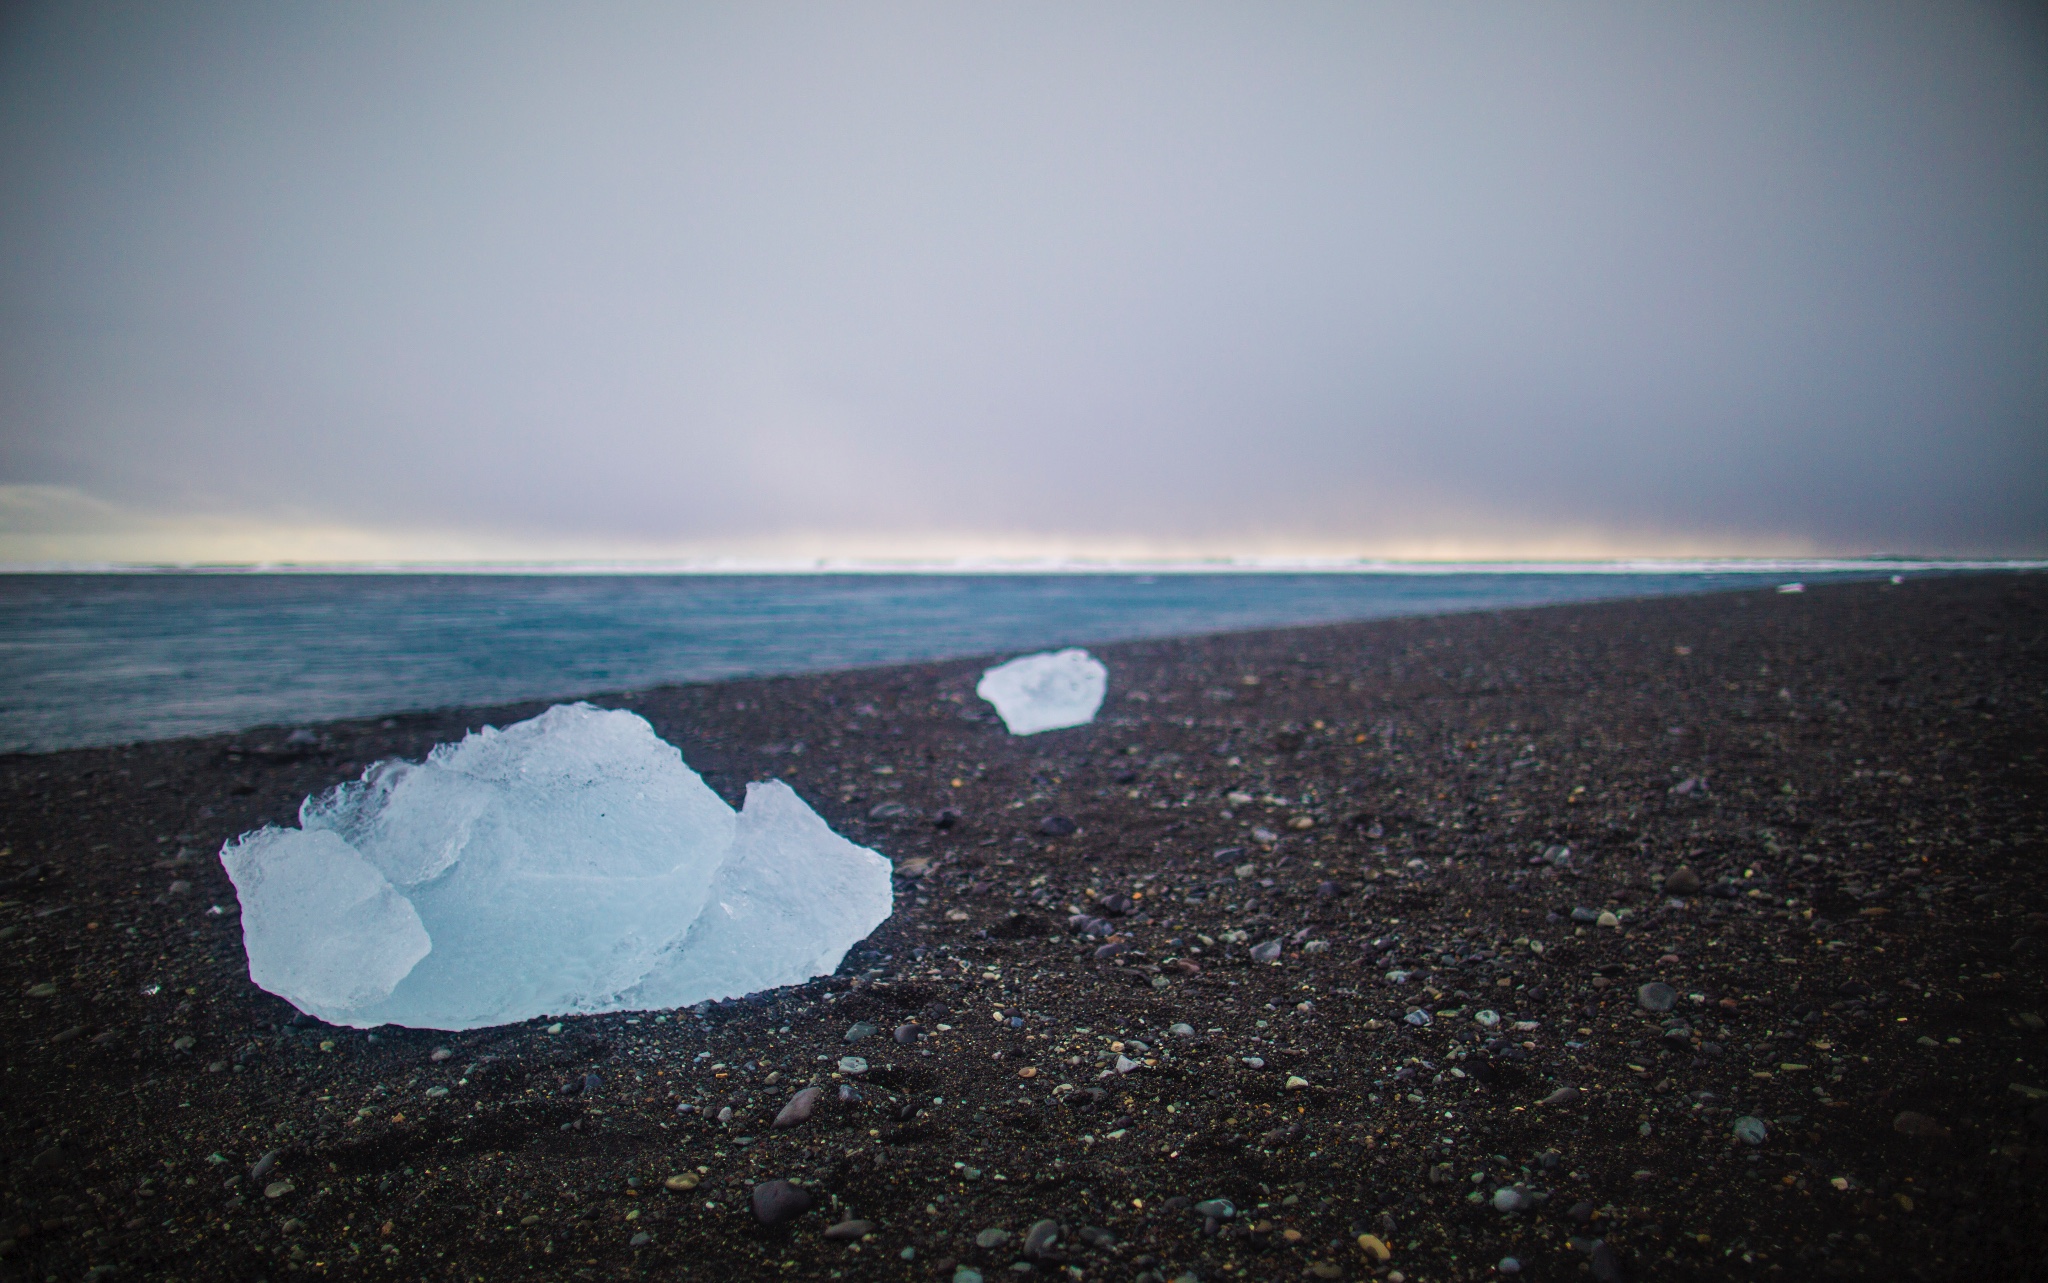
[(1509, 1265), (592, 1084), (44, 990), (682, 1182), (1419, 1018), (1487, 1019), (1266, 952), (1919, 1126), (185, 1043), (779, 1201), (1683, 881), (861, 1030), (850, 1229), (1581, 1212), (799, 1108), (1562, 1096), (261, 1167), (1750, 1130), (966, 1274), (1124, 1064), (1375, 1247), (440, 1054), (853, 1065), (1221, 1209), (1181, 1030), (641, 1239), (1606, 1263), (1585, 915), (1057, 826), (1509, 1199), (1656, 996), (992, 1237), (849, 1093), (278, 1189), (436, 1093), (907, 1034), (1607, 919), (1097, 1237), (1296, 1083)]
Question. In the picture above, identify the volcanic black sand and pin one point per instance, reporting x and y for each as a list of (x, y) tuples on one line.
[(1815, 816)]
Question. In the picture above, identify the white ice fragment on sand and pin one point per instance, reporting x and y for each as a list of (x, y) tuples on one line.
[(1046, 692), (569, 863)]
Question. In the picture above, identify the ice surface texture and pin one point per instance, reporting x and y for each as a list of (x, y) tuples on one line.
[(570, 863), (1046, 692)]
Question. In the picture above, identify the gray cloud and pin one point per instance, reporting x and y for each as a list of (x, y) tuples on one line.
[(1748, 274)]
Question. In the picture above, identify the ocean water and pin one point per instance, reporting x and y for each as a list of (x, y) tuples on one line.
[(94, 659)]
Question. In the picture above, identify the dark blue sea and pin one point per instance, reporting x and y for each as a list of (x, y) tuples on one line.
[(94, 659)]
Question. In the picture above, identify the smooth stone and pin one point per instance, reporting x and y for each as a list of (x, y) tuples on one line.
[(1682, 881), (966, 1274), (1509, 1199), (1181, 1030), (1266, 952), (907, 1034), (641, 1239), (1585, 915), (850, 1229), (853, 1065), (1509, 1265), (1607, 919), (1656, 996), (992, 1237), (779, 1201), (1581, 1212), (1057, 826), (1220, 1208), (849, 1093), (1039, 1239), (278, 1189), (261, 1167), (681, 1182), (799, 1108), (1488, 1019), (861, 1030), (1097, 1237), (592, 1084), (1419, 1018), (1562, 1096), (1749, 1130)]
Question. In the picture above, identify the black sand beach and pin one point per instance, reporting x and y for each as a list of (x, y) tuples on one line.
[(1815, 817)]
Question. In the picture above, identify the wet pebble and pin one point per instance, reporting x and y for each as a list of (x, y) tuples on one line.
[(1683, 881), (1266, 952), (1039, 1239), (1057, 826), (1221, 1209), (1181, 1030), (992, 1237), (779, 1201), (850, 1229), (853, 1065), (1656, 996), (1509, 1199), (261, 1167), (861, 1030), (1562, 1096), (907, 1034), (1750, 1130)]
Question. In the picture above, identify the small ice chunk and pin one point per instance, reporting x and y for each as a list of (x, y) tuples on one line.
[(569, 863), (1046, 692)]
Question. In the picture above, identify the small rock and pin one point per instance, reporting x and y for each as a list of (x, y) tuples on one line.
[(1585, 915), (1181, 1030), (185, 1043), (850, 1229), (1221, 1209), (853, 1065), (1919, 1126), (1419, 1018), (799, 1108), (1581, 1212), (681, 1182), (1266, 952), (992, 1237), (1124, 1064), (1295, 1083), (861, 1030), (849, 1093), (440, 1054), (1486, 1019), (1562, 1096), (1039, 1239), (641, 1239), (592, 1084), (278, 1189), (1509, 1199), (1656, 996), (1057, 826), (1750, 1130), (779, 1201), (261, 1167), (1509, 1265), (966, 1274), (1374, 1247), (1608, 920), (907, 1034), (1682, 881), (1097, 1237)]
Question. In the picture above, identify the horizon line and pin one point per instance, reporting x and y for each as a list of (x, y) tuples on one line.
[(1244, 564)]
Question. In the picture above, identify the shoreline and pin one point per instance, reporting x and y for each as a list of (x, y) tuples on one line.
[(1862, 819)]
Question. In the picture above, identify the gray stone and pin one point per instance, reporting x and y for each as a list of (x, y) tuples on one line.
[(850, 1229), (1562, 1096), (853, 1065), (861, 1030), (1682, 881), (1220, 1208), (992, 1237), (1266, 952), (1656, 996), (799, 1108), (779, 1201), (1585, 915), (261, 1167), (1039, 1239), (1750, 1131)]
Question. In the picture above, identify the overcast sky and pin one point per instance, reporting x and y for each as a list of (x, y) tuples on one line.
[(327, 279)]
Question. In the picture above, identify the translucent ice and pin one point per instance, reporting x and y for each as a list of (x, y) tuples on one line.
[(1046, 692), (569, 863)]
